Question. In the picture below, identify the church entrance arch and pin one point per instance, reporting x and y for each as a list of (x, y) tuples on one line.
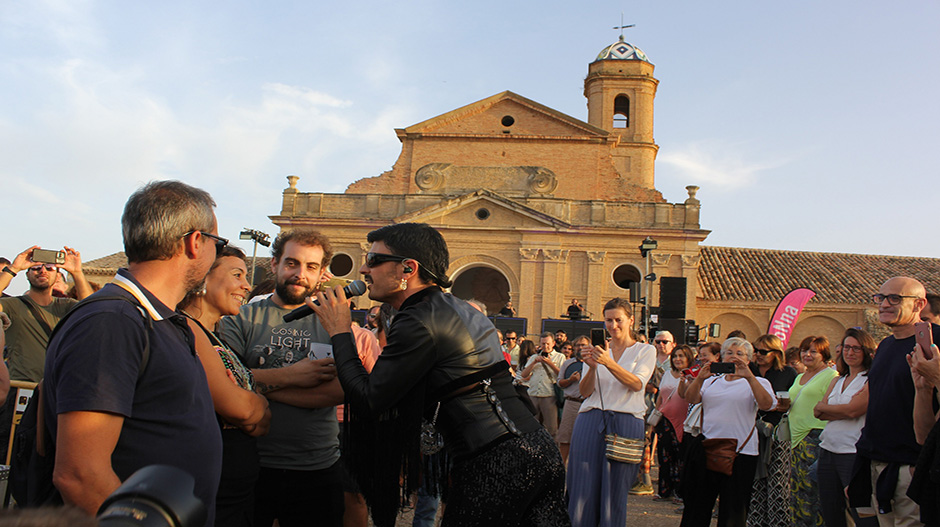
[(483, 283)]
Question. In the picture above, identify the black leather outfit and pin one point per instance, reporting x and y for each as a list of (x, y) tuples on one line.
[(452, 347)]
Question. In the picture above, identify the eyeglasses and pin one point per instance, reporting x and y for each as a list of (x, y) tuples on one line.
[(374, 259), (49, 267), (848, 347), (662, 341), (763, 352), (510, 338), (892, 299), (220, 242)]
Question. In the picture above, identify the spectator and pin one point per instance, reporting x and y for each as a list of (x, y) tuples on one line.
[(108, 412), (674, 409), (795, 360), (511, 343), (243, 414), (807, 390), (844, 407), (540, 373), (931, 311), (770, 499), (888, 441), (613, 388), (729, 406), (569, 380), (560, 338)]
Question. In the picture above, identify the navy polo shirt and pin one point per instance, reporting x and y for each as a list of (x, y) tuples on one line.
[(93, 364)]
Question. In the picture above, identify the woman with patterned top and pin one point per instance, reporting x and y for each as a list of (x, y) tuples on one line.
[(242, 414)]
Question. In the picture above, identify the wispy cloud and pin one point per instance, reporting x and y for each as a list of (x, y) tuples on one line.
[(717, 163)]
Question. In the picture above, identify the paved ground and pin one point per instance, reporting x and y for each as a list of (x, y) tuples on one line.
[(642, 511)]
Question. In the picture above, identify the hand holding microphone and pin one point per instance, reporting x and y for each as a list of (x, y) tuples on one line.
[(355, 288)]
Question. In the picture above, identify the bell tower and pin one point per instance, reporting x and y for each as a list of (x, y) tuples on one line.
[(620, 89)]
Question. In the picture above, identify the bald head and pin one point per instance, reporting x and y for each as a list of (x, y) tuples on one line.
[(910, 297)]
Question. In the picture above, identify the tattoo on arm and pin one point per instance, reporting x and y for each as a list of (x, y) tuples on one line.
[(263, 388)]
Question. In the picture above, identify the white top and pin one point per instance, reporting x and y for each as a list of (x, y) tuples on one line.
[(731, 410), (542, 382), (640, 360), (840, 436)]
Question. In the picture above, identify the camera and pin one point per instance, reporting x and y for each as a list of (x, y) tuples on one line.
[(543, 353), (154, 496)]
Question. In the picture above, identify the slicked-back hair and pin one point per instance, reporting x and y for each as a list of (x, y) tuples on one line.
[(621, 303), (421, 242), (305, 237), (157, 216)]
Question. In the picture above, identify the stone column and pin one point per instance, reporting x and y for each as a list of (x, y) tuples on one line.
[(553, 282), (660, 267), (529, 306), (596, 276)]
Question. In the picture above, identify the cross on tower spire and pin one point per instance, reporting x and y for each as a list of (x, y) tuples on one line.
[(621, 27)]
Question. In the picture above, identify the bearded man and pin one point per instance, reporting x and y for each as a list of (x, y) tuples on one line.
[(300, 481)]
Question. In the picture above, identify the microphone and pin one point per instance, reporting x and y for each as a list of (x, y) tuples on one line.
[(354, 288)]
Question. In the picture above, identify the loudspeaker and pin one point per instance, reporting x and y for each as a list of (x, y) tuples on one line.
[(674, 326), (635, 294), (672, 297)]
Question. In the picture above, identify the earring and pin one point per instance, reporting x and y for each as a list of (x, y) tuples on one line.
[(404, 284)]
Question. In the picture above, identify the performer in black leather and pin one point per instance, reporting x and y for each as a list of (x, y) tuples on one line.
[(443, 358)]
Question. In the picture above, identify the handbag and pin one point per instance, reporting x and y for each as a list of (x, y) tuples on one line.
[(617, 448), (720, 452), (654, 417), (782, 432), (431, 441)]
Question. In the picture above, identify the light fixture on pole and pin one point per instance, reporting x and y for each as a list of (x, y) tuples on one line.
[(646, 248), (258, 237)]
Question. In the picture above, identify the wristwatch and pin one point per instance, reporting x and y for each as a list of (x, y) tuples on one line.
[(6, 269)]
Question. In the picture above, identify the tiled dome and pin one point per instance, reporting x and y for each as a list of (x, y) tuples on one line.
[(622, 50)]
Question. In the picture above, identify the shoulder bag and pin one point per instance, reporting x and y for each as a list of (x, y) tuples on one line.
[(720, 452), (618, 448)]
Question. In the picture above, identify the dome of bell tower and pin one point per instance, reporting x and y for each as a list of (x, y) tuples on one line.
[(622, 50)]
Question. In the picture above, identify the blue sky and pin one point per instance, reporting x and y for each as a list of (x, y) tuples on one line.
[(808, 125)]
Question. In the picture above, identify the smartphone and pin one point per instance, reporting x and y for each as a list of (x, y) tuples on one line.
[(924, 336), (47, 256), (599, 337), (722, 367)]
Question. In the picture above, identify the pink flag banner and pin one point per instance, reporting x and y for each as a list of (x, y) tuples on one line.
[(788, 310)]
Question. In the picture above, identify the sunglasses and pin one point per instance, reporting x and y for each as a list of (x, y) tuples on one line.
[(510, 338), (763, 352), (220, 242), (48, 267), (374, 259), (662, 341)]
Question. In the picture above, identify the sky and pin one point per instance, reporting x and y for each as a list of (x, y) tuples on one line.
[(809, 126)]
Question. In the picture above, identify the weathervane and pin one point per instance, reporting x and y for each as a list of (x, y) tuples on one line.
[(621, 27)]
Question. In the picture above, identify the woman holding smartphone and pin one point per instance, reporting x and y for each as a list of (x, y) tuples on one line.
[(613, 386)]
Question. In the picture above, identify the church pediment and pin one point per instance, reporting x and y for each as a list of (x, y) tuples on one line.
[(505, 115), (483, 208)]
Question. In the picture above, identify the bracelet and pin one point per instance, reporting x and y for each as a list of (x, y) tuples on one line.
[(6, 269)]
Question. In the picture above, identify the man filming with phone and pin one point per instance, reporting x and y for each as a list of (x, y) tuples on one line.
[(34, 314), (541, 371)]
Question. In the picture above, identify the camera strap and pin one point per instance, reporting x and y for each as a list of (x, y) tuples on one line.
[(38, 316)]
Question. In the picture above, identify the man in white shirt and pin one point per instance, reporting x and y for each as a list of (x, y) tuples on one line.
[(541, 372)]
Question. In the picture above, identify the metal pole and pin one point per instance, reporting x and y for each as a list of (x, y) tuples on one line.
[(254, 263), (649, 291)]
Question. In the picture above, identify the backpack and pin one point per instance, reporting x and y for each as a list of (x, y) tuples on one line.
[(33, 458)]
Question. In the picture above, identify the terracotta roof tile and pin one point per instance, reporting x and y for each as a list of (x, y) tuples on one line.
[(732, 273)]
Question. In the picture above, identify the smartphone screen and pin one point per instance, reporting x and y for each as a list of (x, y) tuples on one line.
[(599, 337), (722, 367)]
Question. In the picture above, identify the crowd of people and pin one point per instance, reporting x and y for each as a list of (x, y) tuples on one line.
[(282, 409)]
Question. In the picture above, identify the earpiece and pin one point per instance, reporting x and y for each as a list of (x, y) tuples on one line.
[(407, 268)]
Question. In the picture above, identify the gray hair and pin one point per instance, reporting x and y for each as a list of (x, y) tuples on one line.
[(481, 307), (738, 342), (157, 216)]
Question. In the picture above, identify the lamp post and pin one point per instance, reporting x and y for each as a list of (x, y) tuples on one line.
[(646, 247), (258, 237)]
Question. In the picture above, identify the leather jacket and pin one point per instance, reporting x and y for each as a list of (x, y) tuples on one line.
[(444, 341)]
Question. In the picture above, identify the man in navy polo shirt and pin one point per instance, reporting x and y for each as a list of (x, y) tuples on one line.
[(111, 410)]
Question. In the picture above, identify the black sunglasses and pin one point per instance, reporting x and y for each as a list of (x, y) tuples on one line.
[(763, 352), (374, 259), (220, 242)]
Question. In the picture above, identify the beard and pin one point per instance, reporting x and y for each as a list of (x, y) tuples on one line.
[(290, 298)]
